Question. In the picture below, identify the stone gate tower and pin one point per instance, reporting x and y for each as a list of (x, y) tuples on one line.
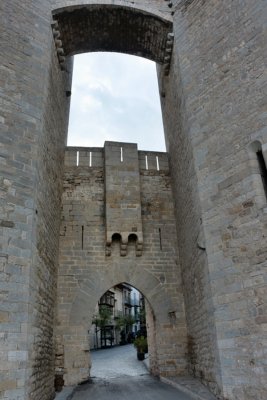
[(117, 225), (211, 58)]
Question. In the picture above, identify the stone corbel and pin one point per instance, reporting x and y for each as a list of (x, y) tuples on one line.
[(168, 53), (139, 249), (124, 246), (139, 245), (108, 250), (59, 46)]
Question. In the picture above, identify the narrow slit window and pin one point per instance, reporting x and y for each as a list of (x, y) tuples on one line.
[(160, 240), (90, 159), (121, 154), (82, 235), (157, 161), (146, 162), (78, 158), (263, 170)]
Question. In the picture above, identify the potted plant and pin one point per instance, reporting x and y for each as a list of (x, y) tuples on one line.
[(140, 343)]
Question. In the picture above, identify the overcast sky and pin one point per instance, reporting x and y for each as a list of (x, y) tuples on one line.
[(115, 97)]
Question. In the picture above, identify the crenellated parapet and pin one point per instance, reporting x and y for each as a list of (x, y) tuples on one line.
[(121, 167)]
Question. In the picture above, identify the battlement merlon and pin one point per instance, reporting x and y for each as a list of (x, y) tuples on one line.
[(94, 157), (122, 194)]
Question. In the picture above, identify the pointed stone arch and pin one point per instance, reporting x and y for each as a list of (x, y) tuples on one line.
[(73, 330), (90, 290), (151, 325)]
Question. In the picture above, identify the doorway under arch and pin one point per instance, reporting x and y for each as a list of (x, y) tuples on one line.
[(88, 267), (122, 317)]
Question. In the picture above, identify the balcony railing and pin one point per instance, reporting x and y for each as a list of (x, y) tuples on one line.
[(108, 300), (127, 300)]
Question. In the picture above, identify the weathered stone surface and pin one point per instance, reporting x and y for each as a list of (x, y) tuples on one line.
[(122, 196), (33, 129), (125, 30), (86, 272), (214, 109), (219, 69)]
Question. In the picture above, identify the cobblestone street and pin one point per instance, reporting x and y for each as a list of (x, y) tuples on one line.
[(117, 375)]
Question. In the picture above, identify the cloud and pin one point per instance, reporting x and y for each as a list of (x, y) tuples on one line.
[(115, 97), (89, 103)]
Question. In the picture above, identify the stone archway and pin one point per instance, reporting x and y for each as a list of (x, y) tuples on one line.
[(145, 32), (212, 103), (112, 27), (167, 333), (117, 307), (87, 269)]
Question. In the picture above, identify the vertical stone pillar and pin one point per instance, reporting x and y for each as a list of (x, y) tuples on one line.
[(33, 121), (152, 340), (122, 195), (212, 108)]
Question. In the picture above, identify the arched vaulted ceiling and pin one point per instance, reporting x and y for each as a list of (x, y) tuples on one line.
[(100, 27)]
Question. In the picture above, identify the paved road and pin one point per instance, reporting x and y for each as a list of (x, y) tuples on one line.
[(130, 388), (116, 362), (118, 375)]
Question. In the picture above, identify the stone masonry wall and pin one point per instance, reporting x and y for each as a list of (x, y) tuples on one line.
[(214, 107), (221, 105), (201, 339), (33, 121), (43, 284), (85, 271), (122, 195), (157, 7)]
